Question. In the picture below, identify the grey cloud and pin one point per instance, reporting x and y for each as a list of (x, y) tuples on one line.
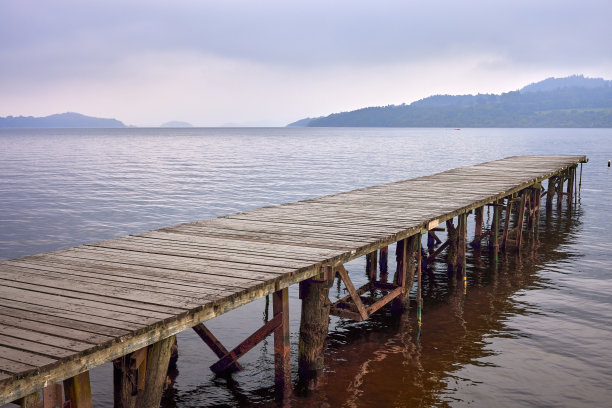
[(309, 33)]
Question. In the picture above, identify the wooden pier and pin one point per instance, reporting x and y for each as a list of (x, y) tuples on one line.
[(123, 300)]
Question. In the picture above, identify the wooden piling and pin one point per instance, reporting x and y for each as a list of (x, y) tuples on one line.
[(508, 209), (559, 189), (521, 217), (550, 194), (478, 220), (77, 390), (52, 396), (404, 276), (451, 254), (314, 323), (580, 183), (570, 186), (30, 401), (462, 246), (139, 377), (282, 361), (382, 260), (371, 265), (419, 289)]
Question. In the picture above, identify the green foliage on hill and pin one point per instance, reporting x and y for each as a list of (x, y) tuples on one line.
[(568, 102)]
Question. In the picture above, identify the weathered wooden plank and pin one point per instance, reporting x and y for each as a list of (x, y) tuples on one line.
[(196, 278), (109, 319), (170, 287), (82, 299), (43, 338), (34, 347), (52, 329), (91, 331), (24, 357)]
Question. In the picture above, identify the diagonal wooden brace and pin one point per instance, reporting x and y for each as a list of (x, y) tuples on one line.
[(351, 289), (214, 344), (228, 359)]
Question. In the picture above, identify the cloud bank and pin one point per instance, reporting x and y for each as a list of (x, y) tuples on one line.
[(213, 62)]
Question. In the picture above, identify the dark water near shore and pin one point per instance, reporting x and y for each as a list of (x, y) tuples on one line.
[(535, 331)]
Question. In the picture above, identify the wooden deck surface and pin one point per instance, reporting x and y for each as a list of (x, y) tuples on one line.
[(67, 311)]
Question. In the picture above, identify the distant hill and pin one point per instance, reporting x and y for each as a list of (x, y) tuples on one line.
[(176, 124), (574, 101), (60, 120)]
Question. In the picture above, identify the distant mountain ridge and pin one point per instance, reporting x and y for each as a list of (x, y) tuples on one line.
[(60, 120), (573, 101)]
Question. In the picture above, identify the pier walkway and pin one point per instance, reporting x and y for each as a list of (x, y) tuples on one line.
[(65, 312)]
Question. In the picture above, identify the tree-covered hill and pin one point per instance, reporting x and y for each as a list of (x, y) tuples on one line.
[(566, 102)]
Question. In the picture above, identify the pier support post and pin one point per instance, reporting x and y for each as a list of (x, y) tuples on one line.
[(451, 254), (506, 223), (52, 396), (139, 377), (383, 260), (77, 390), (570, 186), (282, 361), (521, 218), (550, 193), (371, 266), (462, 246), (314, 323), (495, 231), (478, 218), (404, 276), (419, 288), (30, 401), (560, 181)]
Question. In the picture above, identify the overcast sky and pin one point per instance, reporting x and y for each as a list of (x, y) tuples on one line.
[(273, 62)]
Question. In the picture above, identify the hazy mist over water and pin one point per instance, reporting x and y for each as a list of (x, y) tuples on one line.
[(535, 331)]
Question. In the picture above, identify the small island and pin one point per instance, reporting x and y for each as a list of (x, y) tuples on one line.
[(176, 124), (60, 120)]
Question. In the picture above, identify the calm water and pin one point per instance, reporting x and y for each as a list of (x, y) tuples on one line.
[(535, 331)]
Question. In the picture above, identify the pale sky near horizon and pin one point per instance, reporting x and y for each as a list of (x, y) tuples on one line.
[(268, 63)]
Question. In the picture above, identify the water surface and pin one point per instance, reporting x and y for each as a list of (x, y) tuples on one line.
[(535, 331)]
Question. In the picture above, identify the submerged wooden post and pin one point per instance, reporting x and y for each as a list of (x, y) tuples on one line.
[(495, 231), (506, 223), (404, 276), (139, 377), (478, 214), (371, 266), (282, 362), (314, 323), (570, 187), (382, 260), (419, 289), (158, 357), (550, 193), (560, 181), (451, 254), (521, 217), (462, 245), (77, 390), (580, 183)]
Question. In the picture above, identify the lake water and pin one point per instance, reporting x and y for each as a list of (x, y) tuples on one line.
[(535, 331)]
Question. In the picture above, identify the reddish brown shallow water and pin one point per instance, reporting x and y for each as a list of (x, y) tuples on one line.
[(534, 332)]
